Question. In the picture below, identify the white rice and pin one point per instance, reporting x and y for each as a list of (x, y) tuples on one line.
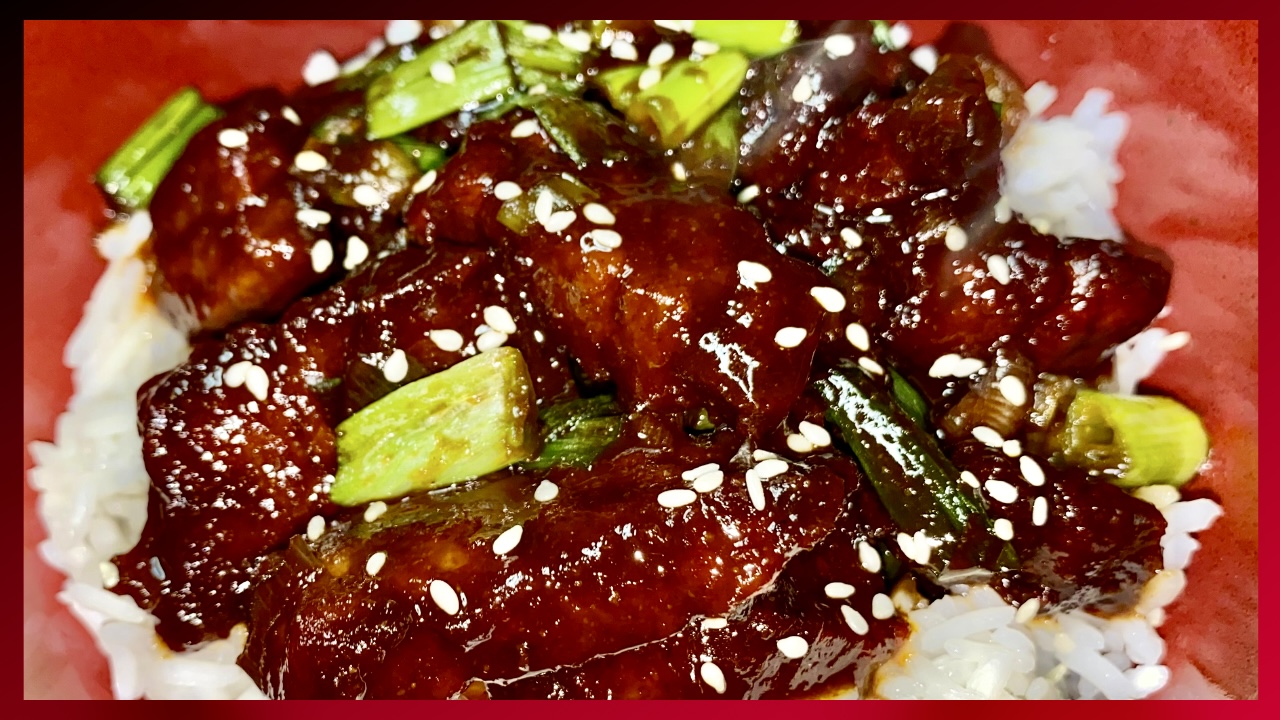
[(93, 486)]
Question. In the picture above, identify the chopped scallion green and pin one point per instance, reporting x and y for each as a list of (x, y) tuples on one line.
[(754, 37), (1134, 440), (687, 96)]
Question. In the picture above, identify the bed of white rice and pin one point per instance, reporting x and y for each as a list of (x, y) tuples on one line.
[(1059, 172)]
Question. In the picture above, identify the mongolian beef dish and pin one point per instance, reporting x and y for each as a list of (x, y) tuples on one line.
[(623, 359)]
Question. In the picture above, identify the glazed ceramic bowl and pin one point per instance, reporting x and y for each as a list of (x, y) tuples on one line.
[(1190, 187)]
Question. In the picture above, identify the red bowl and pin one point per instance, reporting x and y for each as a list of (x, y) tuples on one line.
[(1191, 187)]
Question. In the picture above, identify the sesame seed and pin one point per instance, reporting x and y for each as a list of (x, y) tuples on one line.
[(649, 77), (750, 273), (310, 161), (424, 182), (313, 217), (546, 491), (1027, 611), (508, 540), (598, 214), (375, 563), (868, 557), (838, 590), (854, 620), (969, 479), (944, 366), (235, 374), (676, 498), (714, 623), (713, 676), (1031, 470), (399, 32), (1175, 341), (444, 596), (1039, 512), (506, 190), (678, 171), (257, 382), (560, 220), (708, 482), (443, 72), (577, 40), (998, 266), (446, 340), (907, 545), (772, 467), (831, 299), (1002, 529), (793, 647), (799, 443), (956, 238), (320, 68), (1001, 491), (699, 471), (858, 336), (899, 36), (803, 89), (882, 607), (814, 433), (396, 367), (840, 45), (525, 128), (499, 319), (749, 193), (366, 195), (1003, 213), (315, 528), (789, 337), (1013, 390), (607, 239), (661, 54), (878, 219), (537, 33), (870, 366), (357, 252), (233, 138), (851, 237), (759, 455), (964, 367), (291, 115), (624, 50), (925, 58), (374, 511), (490, 340), (544, 206), (705, 47), (987, 436), (1012, 448), (755, 490)]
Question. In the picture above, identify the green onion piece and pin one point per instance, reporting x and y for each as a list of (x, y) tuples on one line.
[(475, 69), (754, 37), (461, 423), (915, 480), (585, 131), (574, 433), (425, 155), (1134, 440), (517, 214), (620, 85), (687, 96), (712, 154), (703, 423), (909, 398), (551, 56), (386, 61), (133, 172)]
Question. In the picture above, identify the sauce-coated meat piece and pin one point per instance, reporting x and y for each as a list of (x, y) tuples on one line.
[(602, 567), (228, 244)]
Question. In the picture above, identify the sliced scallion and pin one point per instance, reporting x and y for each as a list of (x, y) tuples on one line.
[(754, 37), (574, 433), (1134, 440), (687, 96)]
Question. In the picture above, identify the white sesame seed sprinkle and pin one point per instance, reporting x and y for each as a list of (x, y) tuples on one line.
[(713, 676), (546, 491), (714, 623), (525, 128), (357, 252), (858, 336), (444, 596), (794, 647), (899, 36), (882, 607), (1012, 448), (443, 72), (998, 266), (544, 206), (1002, 529), (854, 620), (499, 319), (838, 590), (427, 180), (661, 54), (749, 193), (956, 238), (366, 195), (752, 273), (1027, 611), (925, 58), (987, 436), (695, 473), (576, 40), (236, 374), (814, 433), (789, 337), (320, 68), (759, 454), (507, 190), (676, 498), (1031, 470), (396, 367), (607, 239), (799, 443), (944, 366), (907, 545), (233, 138), (537, 33), (964, 367), (624, 50), (491, 340), (1013, 390), (1175, 341), (315, 528), (831, 299), (772, 467), (1039, 511), (507, 541), (447, 340), (705, 47), (969, 479), (313, 217), (755, 490), (803, 89), (868, 557), (877, 219), (310, 161), (839, 45), (708, 482), (851, 237), (559, 220), (374, 511), (291, 115), (1001, 491), (870, 366), (257, 382), (598, 214), (375, 563), (399, 32)]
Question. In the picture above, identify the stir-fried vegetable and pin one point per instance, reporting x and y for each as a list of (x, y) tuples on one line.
[(538, 60), (754, 37), (574, 433), (688, 94), (461, 423), (131, 175)]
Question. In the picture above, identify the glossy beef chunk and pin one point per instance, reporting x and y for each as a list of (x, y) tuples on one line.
[(600, 568), (227, 244)]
